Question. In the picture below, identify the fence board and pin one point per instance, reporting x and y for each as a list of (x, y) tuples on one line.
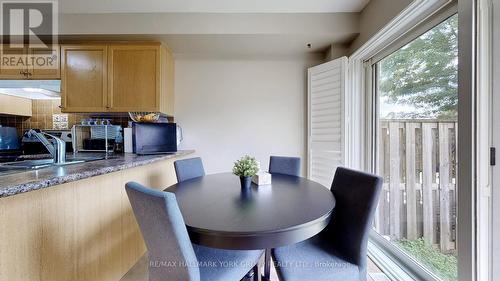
[(444, 191), (427, 198), (395, 180), (411, 194)]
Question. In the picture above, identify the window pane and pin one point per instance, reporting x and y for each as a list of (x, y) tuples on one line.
[(416, 151)]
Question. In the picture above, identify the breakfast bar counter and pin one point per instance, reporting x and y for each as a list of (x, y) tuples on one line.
[(20, 182), (75, 222)]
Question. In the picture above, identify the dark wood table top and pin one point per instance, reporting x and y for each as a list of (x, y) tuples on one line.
[(218, 214)]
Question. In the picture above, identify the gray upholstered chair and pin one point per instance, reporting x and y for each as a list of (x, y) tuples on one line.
[(339, 252), (186, 169), (171, 254), (284, 165)]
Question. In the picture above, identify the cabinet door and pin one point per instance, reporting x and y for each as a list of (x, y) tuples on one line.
[(13, 65), (134, 78), (83, 78), (51, 64)]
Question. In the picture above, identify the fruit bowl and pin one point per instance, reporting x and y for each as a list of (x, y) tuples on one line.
[(147, 117)]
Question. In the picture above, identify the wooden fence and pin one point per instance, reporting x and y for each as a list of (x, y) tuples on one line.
[(418, 160)]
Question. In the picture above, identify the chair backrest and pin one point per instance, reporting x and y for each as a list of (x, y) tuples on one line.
[(356, 195), (186, 169), (171, 255), (284, 165)]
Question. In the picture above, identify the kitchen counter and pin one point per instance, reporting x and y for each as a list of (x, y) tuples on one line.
[(12, 184), (75, 222)]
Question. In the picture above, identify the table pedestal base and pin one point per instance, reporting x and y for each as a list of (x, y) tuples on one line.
[(267, 266), (254, 274)]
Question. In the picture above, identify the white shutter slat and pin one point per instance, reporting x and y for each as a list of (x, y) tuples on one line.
[(326, 105), (325, 90), (326, 131), (326, 120), (322, 74), (326, 87), (324, 112), (333, 80), (324, 98), (326, 145), (325, 125), (322, 119)]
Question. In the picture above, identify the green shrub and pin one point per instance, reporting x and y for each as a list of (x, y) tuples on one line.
[(443, 265)]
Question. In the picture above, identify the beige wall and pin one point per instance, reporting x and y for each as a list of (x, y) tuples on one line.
[(228, 108), (375, 16)]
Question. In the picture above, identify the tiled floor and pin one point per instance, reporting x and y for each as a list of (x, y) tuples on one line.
[(139, 272)]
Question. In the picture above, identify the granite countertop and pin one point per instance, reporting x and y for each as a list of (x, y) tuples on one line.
[(15, 183)]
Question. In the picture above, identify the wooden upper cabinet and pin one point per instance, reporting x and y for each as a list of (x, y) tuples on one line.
[(34, 63), (137, 77), (84, 78), (7, 71), (52, 60), (134, 78)]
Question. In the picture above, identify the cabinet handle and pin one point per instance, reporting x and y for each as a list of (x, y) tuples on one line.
[(25, 73)]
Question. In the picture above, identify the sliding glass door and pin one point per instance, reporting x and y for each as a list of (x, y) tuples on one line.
[(416, 111)]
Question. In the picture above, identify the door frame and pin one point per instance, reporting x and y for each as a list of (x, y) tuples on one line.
[(361, 109), (467, 141)]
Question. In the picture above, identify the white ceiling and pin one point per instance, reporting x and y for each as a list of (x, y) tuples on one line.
[(211, 6)]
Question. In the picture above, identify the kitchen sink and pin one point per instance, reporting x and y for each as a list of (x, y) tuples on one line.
[(43, 163)]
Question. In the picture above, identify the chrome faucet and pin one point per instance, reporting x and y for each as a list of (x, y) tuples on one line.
[(58, 151)]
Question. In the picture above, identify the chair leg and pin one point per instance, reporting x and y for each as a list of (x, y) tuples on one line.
[(249, 276), (267, 265), (256, 272)]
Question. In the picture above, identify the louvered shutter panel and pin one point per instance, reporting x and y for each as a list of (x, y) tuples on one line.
[(326, 117)]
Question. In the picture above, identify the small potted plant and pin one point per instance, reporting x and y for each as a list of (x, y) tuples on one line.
[(246, 168)]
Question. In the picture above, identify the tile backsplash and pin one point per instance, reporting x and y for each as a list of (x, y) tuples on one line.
[(44, 112)]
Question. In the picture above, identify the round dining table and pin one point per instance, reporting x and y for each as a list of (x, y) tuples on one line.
[(218, 213)]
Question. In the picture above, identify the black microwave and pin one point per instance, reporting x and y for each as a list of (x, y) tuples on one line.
[(154, 138)]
